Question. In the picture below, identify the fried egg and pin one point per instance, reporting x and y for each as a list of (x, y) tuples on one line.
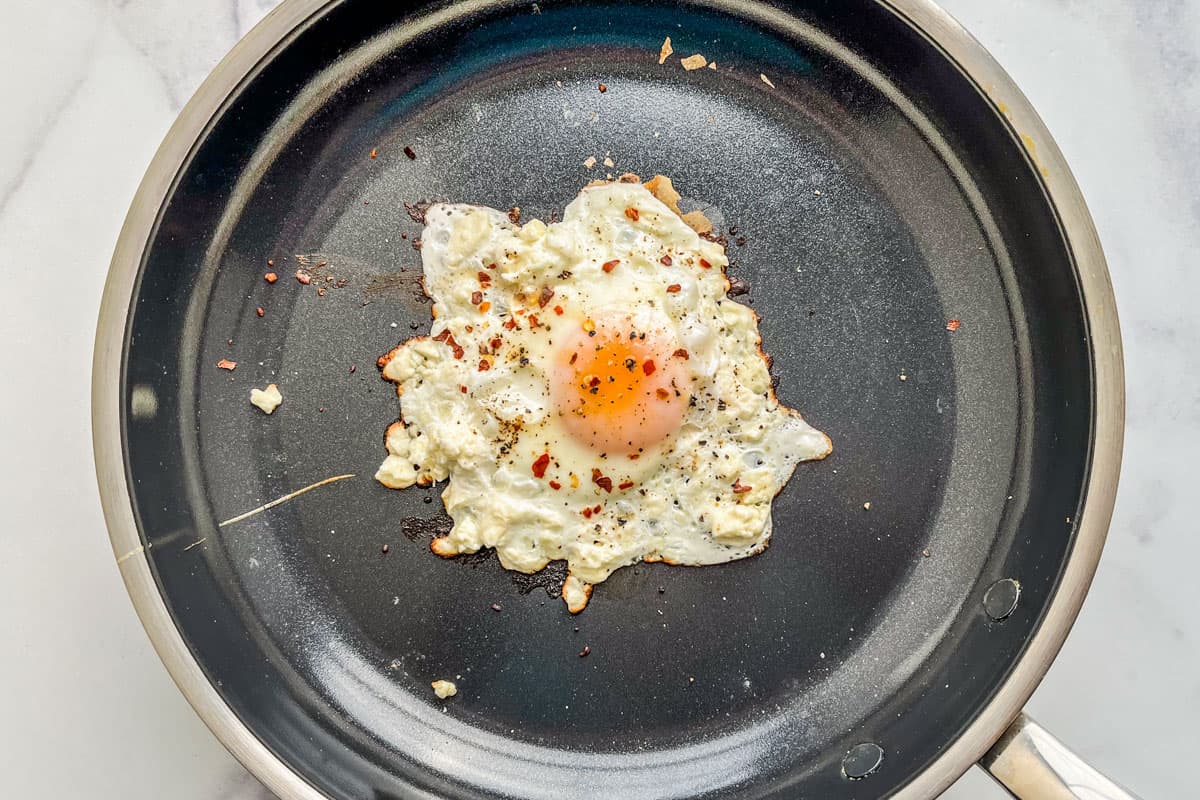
[(590, 391)]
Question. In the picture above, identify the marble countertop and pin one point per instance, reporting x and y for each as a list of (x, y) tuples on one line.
[(90, 88)]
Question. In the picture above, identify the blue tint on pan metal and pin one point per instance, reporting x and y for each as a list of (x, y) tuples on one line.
[(879, 195)]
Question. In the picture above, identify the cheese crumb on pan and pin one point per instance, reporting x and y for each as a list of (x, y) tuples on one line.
[(444, 689), (267, 400)]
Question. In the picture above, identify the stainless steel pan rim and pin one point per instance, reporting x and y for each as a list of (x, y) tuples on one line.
[(972, 59)]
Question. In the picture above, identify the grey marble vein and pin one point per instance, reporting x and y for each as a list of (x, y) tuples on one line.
[(24, 163)]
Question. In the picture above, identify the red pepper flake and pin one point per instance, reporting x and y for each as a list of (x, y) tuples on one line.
[(225, 363), (704, 263), (601, 480), (495, 343), (587, 513), (632, 213), (270, 262), (270, 277), (573, 357), (533, 321), (665, 261), (555, 485), (583, 653), (603, 88), (374, 152), (593, 382), (625, 485), (510, 323), (448, 338), (303, 277), (740, 488), (674, 288), (681, 353), (662, 393), (484, 365), (648, 366), (408, 151), (540, 464), (462, 389), (485, 280), (476, 298), (953, 325), (609, 266), (558, 310), (260, 311), (545, 296), (596, 509), (484, 307)]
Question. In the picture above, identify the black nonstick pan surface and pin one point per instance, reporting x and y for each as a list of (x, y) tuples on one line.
[(877, 190)]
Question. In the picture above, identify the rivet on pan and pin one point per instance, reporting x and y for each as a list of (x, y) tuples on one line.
[(862, 760), (1000, 600)]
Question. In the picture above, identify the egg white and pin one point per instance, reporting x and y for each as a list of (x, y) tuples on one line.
[(700, 496)]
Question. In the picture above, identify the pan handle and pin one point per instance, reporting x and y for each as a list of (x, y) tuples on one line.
[(1033, 765)]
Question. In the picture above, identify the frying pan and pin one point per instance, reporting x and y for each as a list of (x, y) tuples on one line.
[(884, 177)]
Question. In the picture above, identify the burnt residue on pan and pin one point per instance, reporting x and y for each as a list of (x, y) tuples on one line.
[(425, 529), (417, 210), (551, 579), (377, 282), (404, 285)]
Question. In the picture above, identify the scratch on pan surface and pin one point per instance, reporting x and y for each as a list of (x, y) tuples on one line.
[(141, 548), (195, 544), (284, 499)]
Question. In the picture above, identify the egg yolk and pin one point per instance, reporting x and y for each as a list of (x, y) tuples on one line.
[(618, 388)]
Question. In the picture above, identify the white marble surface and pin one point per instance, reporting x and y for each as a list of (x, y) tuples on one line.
[(89, 89)]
